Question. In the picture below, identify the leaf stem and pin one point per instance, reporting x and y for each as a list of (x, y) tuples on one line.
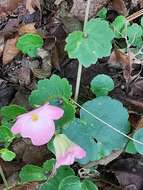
[(78, 81), (3, 177)]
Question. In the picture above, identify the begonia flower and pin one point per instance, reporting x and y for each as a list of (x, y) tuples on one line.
[(38, 125), (66, 151)]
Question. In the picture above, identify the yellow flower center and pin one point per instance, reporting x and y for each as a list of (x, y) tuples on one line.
[(34, 117)]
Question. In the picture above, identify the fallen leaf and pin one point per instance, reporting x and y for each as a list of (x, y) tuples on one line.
[(27, 28), (79, 7), (120, 58), (8, 5), (10, 50), (1, 45), (31, 4), (120, 7)]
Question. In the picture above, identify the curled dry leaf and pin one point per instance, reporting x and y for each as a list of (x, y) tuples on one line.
[(1, 45), (120, 7), (31, 4), (79, 7), (122, 59), (10, 50), (27, 28), (8, 5)]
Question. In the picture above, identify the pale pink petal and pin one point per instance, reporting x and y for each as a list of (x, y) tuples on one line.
[(40, 132), (78, 151), (52, 112), (67, 159), (22, 120)]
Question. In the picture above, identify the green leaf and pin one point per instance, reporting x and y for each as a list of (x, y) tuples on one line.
[(29, 43), (97, 43), (7, 155), (102, 84), (31, 173), (88, 185), (53, 183), (139, 136), (70, 183), (135, 35), (11, 112), (131, 148), (102, 13), (48, 89), (69, 112), (52, 90), (48, 165), (119, 27), (95, 137), (6, 136)]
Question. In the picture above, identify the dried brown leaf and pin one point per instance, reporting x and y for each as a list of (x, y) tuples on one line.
[(1, 45), (120, 58), (10, 50), (120, 7), (79, 7), (31, 4), (8, 5), (27, 28)]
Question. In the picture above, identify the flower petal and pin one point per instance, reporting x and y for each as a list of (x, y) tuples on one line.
[(40, 132), (78, 151), (52, 112)]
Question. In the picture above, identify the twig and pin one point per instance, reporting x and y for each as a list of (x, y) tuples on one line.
[(3, 178), (80, 65)]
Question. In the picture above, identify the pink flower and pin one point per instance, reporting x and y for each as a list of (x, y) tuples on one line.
[(66, 151), (38, 125)]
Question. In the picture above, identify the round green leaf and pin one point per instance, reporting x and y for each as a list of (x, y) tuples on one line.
[(7, 155), (11, 112), (88, 185), (31, 173), (119, 27), (48, 165), (29, 43), (53, 183), (95, 137), (70, 183), (102, 84), (139, 136), (87, 49), (6, 135), (135, 33)]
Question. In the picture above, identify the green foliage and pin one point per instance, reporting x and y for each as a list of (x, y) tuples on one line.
[(6, 136), (31, 173), (102, 84), (119, 27), (102, 13), (10, 112), (48, 165), (70, 183), (29, 43), (53, 183), (131, 148), (52, 90), (7, 155), (96, 43), (139, 136), (86, 130), (135, 33), (88, 185)]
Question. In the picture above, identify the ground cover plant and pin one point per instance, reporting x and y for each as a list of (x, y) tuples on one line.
[(71, 95)]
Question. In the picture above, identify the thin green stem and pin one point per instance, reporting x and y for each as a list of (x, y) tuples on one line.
[(3, 178), (78, 81)]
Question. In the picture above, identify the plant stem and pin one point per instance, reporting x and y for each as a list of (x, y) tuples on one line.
[(3, 177), (80, 65)]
